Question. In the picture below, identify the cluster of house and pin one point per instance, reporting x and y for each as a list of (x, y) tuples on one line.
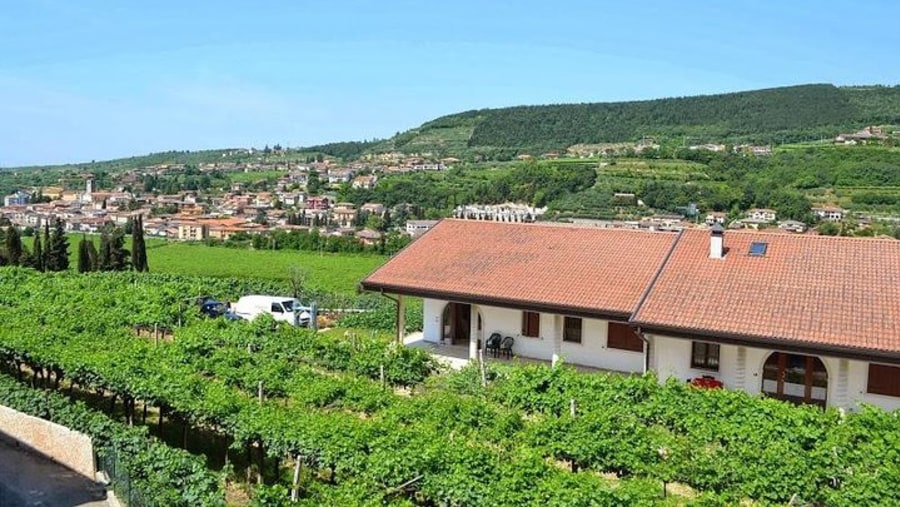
[(871, 134), (189, 216), (594, 150), (807, 319), (506, 212), (756, 218)]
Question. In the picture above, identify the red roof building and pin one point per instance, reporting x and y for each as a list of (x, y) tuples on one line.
[(809, 319)]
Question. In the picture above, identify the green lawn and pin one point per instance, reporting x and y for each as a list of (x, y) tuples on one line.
[(328, 272)]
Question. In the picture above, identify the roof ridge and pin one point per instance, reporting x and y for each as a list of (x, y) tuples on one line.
[(659, 271), (803, 237)]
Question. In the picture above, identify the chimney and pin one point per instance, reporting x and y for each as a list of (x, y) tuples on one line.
[(717, 242)]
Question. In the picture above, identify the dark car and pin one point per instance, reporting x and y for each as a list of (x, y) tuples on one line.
[(212, 308)]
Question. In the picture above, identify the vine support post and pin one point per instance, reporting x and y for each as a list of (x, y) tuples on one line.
[(572, 407), (259, 392), (381, 374), (481, 368), (295, 486), (401, 318)]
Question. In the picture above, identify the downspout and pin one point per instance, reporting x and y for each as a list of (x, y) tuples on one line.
[(646, 341)]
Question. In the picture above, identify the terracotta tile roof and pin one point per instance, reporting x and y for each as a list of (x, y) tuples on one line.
[(842, 293), (597, 271)]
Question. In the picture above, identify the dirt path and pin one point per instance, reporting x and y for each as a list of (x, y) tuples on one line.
[(30, 480)]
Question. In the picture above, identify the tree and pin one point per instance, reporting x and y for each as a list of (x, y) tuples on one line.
[(313, 184), (138, 246), (13, 246), (85, 262), (298, 277), (112, 256), (45, 259), (37, 254), (58, 248)]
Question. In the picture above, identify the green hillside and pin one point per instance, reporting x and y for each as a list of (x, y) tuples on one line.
[(776, 115)]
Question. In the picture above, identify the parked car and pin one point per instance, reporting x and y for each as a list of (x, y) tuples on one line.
[(212, 308), (282, 309)]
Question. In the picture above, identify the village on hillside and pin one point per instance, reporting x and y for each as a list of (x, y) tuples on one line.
[(303, 196)]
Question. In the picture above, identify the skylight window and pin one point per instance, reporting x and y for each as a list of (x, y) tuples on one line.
[(758, 248)]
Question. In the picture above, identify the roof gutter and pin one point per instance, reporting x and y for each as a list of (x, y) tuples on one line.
[(618, 316), (781, 344)]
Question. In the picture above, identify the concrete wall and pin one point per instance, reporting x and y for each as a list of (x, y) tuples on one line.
[(67, 447), (847, 379)]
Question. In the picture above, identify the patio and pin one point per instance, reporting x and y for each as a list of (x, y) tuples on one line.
[(457, 356)]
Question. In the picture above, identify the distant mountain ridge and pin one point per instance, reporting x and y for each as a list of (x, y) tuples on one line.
[(767, 116), (773, 115)]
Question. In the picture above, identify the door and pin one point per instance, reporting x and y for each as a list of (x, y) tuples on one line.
[(796, 378), (456, 323)]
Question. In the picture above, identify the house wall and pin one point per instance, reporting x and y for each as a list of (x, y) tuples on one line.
[(847, 379), (431, 325), (592, 351), (858, 380)]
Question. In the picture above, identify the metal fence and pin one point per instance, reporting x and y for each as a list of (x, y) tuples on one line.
[(126, 491)]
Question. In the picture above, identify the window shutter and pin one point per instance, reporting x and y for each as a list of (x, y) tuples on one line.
[(621, 336)]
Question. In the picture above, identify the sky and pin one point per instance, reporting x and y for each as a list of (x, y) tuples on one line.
[(93, 80)]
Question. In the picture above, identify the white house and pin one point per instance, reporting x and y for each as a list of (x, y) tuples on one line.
[(830, 213), (418, 227), (762, 214), (809, 319), (17, 198)]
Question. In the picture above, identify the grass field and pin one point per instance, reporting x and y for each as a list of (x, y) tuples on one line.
[(327, 272)]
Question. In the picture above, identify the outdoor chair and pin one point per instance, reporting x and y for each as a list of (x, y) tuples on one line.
[(492, 345), (506, 347)]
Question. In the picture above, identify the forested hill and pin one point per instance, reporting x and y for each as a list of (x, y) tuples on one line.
[(775, 115)]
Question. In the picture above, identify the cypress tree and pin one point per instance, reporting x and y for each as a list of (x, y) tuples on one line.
[(84, 256), (58, 248), (119, 256), (104, 262), (13, 246), (45, 257), (93, 256), (138, 247), (37, 253)]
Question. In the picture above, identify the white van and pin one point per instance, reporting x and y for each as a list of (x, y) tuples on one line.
[(282, 309)]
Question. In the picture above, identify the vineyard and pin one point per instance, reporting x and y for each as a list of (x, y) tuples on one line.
[(347, 418)]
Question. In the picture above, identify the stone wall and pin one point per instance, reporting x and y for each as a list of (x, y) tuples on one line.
[(67, 447)]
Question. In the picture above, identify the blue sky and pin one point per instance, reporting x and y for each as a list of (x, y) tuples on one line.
[(84, 80)]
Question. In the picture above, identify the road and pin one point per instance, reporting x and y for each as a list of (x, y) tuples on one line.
[(30, 480)]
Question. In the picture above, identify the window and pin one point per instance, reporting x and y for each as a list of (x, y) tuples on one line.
[(884, 379), (572, 330), (705, 356), (758, 248), (276, 308), (531, 324), (621, 336)]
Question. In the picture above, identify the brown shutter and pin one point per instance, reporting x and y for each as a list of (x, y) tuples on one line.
[(531, 324), (622, 336), (884, 380)]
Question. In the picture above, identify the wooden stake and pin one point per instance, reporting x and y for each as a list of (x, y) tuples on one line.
[(481, 367), (260, 392), (295, 490), (572, 407)]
